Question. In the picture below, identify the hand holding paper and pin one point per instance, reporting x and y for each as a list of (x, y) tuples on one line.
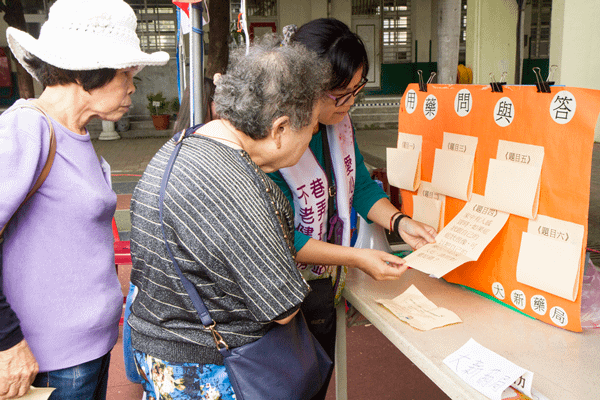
[(462, 240)]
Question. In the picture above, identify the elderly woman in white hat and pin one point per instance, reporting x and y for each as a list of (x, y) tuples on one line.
[(61, 299)]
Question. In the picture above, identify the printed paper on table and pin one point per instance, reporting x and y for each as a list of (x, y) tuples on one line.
[(418, 311), (513, 180), (461, 241), (403, 164), (549, 121), (549, 257), (488, 372)]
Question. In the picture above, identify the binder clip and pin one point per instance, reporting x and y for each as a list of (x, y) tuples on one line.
[(423, 85), (543, 86), (497, 86)]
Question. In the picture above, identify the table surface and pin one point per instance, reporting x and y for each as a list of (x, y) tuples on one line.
[(565, 364)]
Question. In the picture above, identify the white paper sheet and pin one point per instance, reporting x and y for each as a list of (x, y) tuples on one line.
[(418, 311), (461, 241), (488, 372)]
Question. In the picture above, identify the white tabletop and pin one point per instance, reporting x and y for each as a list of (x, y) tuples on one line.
[(565, 365)]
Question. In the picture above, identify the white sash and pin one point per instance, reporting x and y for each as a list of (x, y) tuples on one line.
[(308, 184)]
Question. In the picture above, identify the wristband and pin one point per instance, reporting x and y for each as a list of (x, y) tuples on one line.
[(397, 222), (392, 219)]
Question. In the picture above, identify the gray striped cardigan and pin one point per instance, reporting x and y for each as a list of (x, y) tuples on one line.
[(231, 230)]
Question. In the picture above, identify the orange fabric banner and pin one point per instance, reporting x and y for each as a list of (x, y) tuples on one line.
[(563, 123)]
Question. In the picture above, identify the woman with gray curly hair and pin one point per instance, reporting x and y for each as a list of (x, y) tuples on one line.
[(228, 225)]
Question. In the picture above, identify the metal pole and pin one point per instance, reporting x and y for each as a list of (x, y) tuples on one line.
[(196, 65)]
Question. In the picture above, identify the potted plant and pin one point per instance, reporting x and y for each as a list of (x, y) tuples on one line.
[(160, 110)]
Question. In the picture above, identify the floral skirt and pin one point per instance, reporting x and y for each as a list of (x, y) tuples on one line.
[(164, 380)]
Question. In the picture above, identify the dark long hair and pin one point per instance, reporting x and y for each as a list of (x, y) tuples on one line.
[(333, 41)]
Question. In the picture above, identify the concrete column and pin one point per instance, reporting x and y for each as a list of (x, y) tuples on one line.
[(421, 27), (318, 9), (574, 47), (342, 10), (108, 131), (574, 44), (448, 35), (491, 39), (296, 12)]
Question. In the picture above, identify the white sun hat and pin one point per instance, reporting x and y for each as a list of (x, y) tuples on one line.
[(85, 35)]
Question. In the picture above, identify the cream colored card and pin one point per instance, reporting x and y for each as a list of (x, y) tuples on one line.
[(550, 256), (418, 311), (553, 228), (36, 393), (549, 265), (461, 241), (435, 259), (513, 188), (403, 168), (407, 141), (522, 153), (513, 180), (460, 143), (453, 174), (426, 210)]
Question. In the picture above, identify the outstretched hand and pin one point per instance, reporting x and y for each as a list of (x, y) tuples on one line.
[(416, 234)]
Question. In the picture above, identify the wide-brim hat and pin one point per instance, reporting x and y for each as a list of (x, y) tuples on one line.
[(85, 35)]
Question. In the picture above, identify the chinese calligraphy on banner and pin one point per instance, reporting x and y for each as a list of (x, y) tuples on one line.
[(560, 123)]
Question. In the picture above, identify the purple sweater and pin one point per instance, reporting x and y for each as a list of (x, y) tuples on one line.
[(58, 261)]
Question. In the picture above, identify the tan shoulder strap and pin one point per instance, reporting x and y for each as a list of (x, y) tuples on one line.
[(46, 170)]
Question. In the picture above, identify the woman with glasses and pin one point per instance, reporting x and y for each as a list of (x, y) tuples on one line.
[(323, 229)]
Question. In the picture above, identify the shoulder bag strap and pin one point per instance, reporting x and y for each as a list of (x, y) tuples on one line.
[(46, 170), (205, 317), (189, 286)]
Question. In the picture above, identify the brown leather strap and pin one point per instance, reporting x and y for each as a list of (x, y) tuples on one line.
[(46, 170)]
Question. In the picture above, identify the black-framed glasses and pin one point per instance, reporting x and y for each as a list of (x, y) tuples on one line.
[(343, 99)]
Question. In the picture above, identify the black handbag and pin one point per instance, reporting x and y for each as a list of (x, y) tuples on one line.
[(288, 363)]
